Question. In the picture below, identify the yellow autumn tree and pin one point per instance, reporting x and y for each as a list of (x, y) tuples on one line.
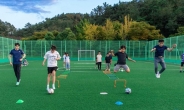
[(143, 31), (91, 32), (126, 26), (109, 32)]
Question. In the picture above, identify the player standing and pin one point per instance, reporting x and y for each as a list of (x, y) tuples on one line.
[(52, 57), (108, 60), (18, 56), (64, 57), (159, 56), (67, 61), (121, 63), (182, 63), (99, 60)]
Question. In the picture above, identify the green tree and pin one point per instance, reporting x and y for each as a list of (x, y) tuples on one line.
[(49, 36), (66, 34)]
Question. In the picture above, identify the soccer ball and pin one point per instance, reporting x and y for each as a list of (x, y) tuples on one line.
[(128, 90), (121, 70), (51, 91)]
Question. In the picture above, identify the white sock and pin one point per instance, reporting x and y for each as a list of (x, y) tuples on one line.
[(47, 86)]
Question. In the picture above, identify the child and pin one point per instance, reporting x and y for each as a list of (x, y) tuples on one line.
[(52, 57), (99, 60), (108, 60), (64, 63), (67, 61), (96, 64), (182, 63)]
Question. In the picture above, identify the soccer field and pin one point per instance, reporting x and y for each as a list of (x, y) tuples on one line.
[(81, 89)]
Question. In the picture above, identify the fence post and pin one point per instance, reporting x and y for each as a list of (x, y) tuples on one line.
[(41, 49), (133, 48), (170, 52), (45, 46), (31, 48), (139, 50), (65, 45), (61, 48), (3, 47), (177, 48), (106, 47)]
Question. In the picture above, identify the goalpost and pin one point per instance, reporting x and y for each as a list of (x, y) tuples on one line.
[(86, 55)]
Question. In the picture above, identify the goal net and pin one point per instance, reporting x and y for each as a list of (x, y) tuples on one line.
[(86, 55)]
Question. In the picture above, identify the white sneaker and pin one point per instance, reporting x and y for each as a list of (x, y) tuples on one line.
[(158, 74), (17, 83)]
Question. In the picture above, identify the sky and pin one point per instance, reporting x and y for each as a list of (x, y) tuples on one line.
[(20, 12)]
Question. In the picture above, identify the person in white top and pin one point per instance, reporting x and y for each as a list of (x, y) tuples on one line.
[(67, 60), (52, 57), (64, 63), (99, 60)]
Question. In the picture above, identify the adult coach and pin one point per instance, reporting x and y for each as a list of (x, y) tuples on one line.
[(159, 56), (18, 55), (121, 63), (52, 57)]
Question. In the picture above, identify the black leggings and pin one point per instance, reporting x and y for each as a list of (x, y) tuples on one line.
[(17, 68), (99, 65)]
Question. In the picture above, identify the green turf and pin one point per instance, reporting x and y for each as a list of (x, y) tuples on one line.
[(81, 90)]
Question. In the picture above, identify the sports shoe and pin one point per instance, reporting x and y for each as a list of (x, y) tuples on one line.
[(158, 74), (17, 83), (180, 71)]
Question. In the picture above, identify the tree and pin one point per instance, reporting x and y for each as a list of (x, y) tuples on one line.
[(143, 31), (49, 36), (66, 34), (91, 32)]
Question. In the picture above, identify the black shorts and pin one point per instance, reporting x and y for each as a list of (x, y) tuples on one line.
[(182, 63), (51, 69)]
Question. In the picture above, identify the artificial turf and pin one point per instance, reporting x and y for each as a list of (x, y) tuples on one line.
[(81, 89)]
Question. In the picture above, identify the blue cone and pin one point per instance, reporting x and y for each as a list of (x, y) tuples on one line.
[(119, 103)]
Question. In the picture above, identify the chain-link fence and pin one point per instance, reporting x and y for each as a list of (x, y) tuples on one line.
[(139, 50)]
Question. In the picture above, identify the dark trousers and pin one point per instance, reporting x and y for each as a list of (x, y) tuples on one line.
[(162, 63), (17, 68), (99, 65)]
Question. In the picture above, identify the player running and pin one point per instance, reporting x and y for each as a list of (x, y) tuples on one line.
[(18, 55), (159, 56)]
